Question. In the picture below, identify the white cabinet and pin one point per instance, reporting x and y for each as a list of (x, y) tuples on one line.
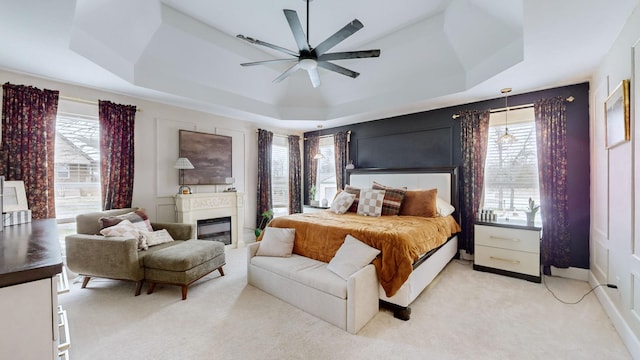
[(507, 249), (29, 289), (29, 315)]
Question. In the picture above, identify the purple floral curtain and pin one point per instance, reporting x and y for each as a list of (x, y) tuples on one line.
[(265, 200), (28, 144), (551, 138), (117, 125), (311, 146), (474, 133), (295, 170), (340, 143)]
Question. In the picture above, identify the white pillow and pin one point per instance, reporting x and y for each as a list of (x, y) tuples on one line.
[(123, 229), (370, 202), (352, 256), (276, 242), (126, 228), (444, 208), (342, 202), (158, 237)]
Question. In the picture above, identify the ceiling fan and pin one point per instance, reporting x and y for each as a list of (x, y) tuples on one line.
[(309, 58)]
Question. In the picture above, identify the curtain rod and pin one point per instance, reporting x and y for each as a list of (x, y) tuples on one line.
[(85, 101), (275, 134), (457, 115), (324, 136)]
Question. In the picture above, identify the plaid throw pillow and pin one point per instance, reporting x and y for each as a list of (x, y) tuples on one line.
[(342, 202), (392, 199), (370, 203)]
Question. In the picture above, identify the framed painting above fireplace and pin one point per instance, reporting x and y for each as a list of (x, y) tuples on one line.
[(210, 155)]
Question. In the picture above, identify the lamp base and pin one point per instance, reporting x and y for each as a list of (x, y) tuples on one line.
[(184, 190)]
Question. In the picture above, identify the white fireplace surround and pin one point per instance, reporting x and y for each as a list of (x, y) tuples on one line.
[(194, 207)]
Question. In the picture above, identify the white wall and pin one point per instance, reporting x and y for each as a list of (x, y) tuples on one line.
[(615, 213), (156, 146)]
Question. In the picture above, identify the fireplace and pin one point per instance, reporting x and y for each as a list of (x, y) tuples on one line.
[(216, 229), (194, 207)]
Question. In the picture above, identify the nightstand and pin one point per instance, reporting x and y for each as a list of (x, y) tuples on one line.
[(510, 248)]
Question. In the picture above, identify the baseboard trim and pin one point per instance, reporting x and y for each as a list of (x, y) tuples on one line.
[(627, 336), (571, 273)]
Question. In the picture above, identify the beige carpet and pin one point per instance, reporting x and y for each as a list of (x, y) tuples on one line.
[(464, 314)]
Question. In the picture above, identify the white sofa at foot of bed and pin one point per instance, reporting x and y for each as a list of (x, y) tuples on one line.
[(307, 284)]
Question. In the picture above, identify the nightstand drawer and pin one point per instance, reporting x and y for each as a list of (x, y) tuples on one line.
[(508, 238), (509, 260)]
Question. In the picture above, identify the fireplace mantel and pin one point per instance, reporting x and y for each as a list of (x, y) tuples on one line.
[(194, 207)]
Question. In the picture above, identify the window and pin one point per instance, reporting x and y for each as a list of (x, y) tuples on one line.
[(326, 177), (511, 170), (77, 166), (280, 175)]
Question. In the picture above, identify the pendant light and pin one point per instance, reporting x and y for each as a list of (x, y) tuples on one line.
[(506, 138)]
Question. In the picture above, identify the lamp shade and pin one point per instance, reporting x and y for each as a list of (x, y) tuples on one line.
[(183, 163)]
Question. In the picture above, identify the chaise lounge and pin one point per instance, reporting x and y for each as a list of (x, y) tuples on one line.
[(118, 257)]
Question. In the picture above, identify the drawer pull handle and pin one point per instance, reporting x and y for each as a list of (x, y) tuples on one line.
[(516, 262), (503, 238)]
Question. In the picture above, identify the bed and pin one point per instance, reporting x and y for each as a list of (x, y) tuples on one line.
[(413, 249)]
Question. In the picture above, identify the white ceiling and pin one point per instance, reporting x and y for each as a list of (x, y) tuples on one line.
[(434, 53)]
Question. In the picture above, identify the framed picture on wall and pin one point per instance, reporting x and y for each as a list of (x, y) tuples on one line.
[(210, 155), (617, 117)]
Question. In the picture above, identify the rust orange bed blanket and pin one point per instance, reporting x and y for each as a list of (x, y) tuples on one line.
[(401, 239)]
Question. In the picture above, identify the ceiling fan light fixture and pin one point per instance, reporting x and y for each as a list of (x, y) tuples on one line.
[(310, 58), (308, 64)]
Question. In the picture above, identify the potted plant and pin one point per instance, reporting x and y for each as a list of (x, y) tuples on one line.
[(312, 196), (266, 217), (532, 210)]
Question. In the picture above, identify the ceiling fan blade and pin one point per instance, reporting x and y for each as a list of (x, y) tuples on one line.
[(339, 69), (296, 29), (288, 72), (349, 55), (264, 62), (315, 77), (336, 38), (259, 42)]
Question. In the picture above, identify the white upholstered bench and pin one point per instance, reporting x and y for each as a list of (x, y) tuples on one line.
[(307, 284)]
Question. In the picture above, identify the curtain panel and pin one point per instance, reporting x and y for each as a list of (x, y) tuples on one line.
[(265, 199), (474, 133), (340, 144), (551, 137), (295, 170), (311, 145), (117, 127), (28, 144)]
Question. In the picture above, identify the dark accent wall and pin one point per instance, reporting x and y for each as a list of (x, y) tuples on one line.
[(432, 138)]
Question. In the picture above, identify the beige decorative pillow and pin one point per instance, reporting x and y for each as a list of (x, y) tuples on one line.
[(158, 237), (126, 229), (370, 203), (352, 256), (420, 203), (276, 242), (444, 208), (342, 202)]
